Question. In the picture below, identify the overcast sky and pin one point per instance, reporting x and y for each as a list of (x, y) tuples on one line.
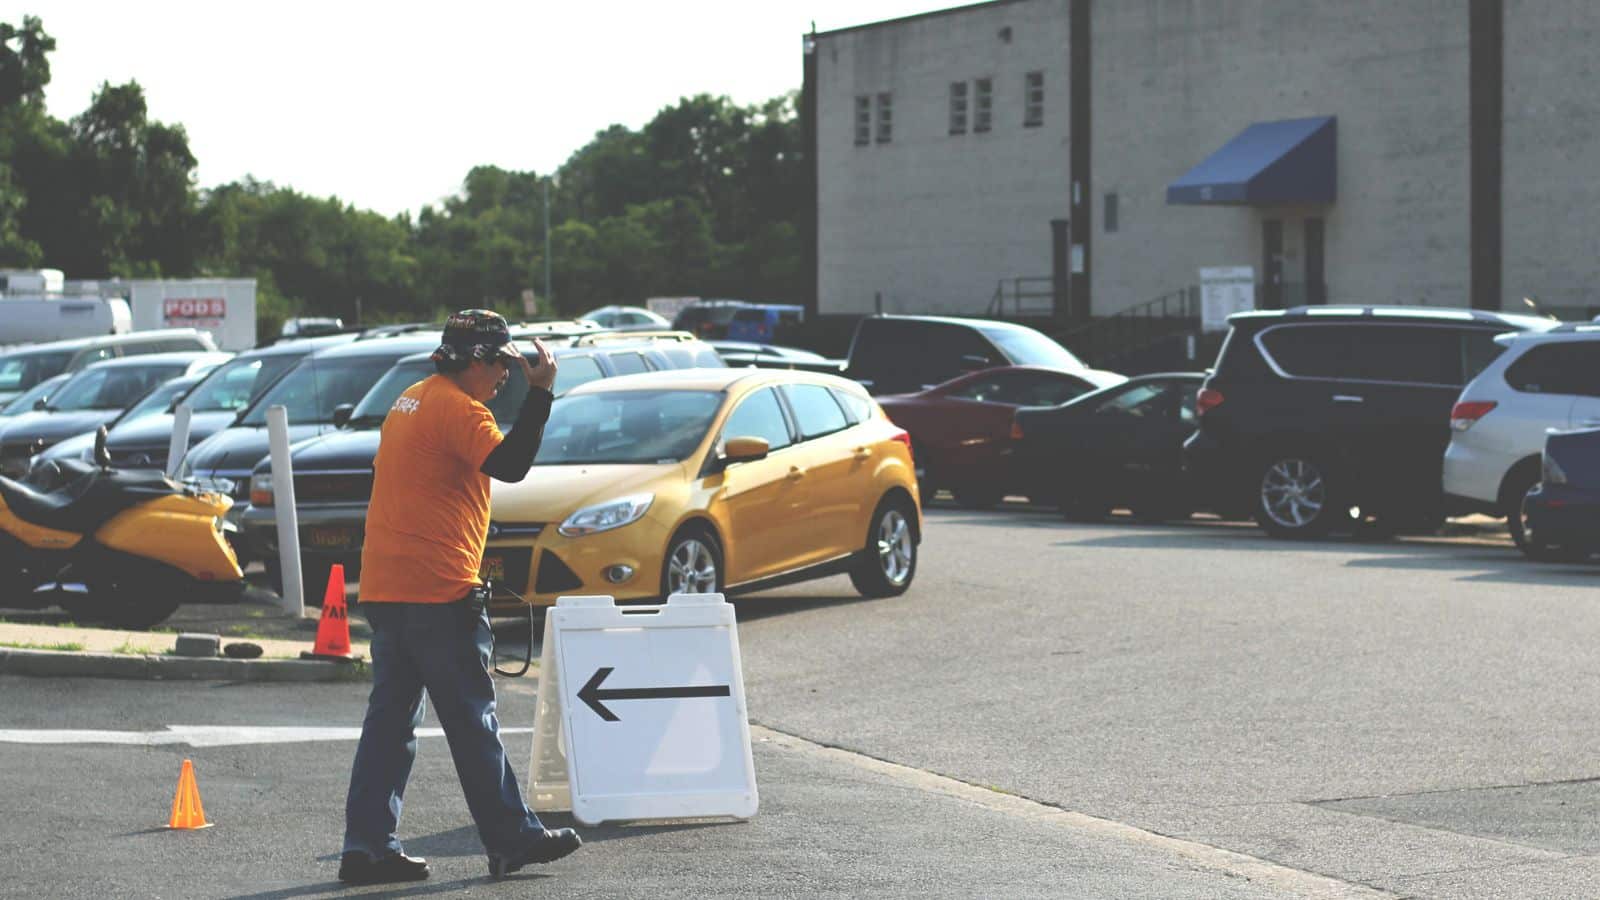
[(387, 105)]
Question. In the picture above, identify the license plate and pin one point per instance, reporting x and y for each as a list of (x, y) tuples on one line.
[(506, 568), (332, 538)]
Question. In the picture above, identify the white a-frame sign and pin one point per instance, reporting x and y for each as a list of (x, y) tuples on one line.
[(641, 712)]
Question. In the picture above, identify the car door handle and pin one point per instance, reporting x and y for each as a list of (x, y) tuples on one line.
[(1348, 398), (862, 453), (795, 473)]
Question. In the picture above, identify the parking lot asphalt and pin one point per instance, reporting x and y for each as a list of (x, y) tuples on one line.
[(1053, 710)]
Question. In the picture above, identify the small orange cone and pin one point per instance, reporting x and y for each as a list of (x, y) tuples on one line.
[(333, 629), (187, 813)]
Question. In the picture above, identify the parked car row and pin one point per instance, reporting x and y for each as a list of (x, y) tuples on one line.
[(1312, 420), (727, 479)]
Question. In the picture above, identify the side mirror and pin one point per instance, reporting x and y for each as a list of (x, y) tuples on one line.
[(41, 403), (745, 449), (341, 414), (102, 456)]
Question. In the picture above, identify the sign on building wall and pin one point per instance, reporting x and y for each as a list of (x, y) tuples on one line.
[(1224, 291), (194, 312)]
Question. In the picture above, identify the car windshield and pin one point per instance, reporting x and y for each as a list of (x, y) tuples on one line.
[(1025, 347), (21, 371), (158, 400), (375, 405), (313, 388), (109, 387), (41, 391), (238, 382), (627, 427)]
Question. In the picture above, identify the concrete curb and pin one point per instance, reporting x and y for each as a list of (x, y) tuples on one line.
[(53, 664)]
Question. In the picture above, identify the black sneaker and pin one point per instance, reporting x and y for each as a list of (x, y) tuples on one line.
[(356, 867), (548, 847)]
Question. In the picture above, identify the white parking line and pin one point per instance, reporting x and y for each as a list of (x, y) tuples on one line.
[(1295, 882), (204, 735)]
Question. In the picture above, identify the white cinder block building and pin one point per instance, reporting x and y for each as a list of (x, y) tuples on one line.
[(1409, 151)]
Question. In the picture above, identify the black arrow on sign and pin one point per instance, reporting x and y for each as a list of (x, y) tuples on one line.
[(592, 695)]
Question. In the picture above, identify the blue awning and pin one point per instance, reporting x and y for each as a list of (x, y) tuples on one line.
[(1285, 163)]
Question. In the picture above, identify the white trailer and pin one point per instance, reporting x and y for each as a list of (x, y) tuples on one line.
[(225, 307), (30, 320)]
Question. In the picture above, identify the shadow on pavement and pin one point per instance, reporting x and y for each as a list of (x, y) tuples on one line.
[(758, 606)]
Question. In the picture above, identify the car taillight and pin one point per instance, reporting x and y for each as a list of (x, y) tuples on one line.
[(902, 436), (1207, 400), (1016, 430), (1467, 414)]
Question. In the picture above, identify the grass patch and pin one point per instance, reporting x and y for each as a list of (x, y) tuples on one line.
[(65, 646), (130, 648), (243, 631)]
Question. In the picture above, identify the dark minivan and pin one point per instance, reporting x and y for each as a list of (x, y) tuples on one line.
[(1316, 416)]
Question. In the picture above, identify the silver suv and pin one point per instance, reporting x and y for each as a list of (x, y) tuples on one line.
[(1543, 380)]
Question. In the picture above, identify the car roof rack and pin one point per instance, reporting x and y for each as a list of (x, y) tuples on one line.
[(589, 340)]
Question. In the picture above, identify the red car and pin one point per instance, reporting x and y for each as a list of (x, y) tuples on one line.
[(961, 430)]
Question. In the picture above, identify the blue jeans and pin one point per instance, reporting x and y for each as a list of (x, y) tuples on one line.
[(445, 648)]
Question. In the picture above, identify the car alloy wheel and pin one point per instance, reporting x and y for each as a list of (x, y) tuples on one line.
[(894, 547), (692, 567), (1294, 493)]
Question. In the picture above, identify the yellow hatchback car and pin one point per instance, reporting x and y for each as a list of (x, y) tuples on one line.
[(703, 480)]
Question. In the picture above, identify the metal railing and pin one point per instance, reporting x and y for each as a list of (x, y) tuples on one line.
[(1023, 297), (1135, 328)]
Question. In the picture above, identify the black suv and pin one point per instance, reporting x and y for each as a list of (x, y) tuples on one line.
[(1315, 416), (905, 354)]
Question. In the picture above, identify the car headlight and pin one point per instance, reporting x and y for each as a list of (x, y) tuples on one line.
[(606, 516), (261, 490)]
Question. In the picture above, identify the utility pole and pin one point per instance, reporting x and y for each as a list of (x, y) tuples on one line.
[(547, 242)]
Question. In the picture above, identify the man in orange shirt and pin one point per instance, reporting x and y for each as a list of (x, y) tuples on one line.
[(426, 527)]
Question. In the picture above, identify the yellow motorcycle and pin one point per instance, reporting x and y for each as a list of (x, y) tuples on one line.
[(119, 547)]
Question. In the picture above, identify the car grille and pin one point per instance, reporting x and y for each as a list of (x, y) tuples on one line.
[(555, 576), (333, 487)]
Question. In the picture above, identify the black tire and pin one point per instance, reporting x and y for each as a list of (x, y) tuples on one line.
[(1081, 506), (975, 497), (135, 597), (692, 563), (1297, 496), (1521, 480), (888, 561)]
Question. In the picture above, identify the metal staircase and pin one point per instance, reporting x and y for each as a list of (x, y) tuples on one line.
[(1151, 336)]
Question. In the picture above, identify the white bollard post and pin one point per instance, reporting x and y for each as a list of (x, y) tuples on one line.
[(294, 598), (180, 439)]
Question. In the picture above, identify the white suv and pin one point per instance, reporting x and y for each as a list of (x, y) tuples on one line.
[(1543, 380)]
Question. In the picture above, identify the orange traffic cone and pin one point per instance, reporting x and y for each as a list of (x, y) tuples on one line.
[(187, 813), (333, 629)]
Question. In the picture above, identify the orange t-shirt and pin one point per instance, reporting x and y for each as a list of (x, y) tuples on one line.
[(429, 515)]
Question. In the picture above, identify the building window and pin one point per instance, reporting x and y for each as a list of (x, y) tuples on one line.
[(1033, 101), (958, 107), (885, 117), (863, 121), (1111, 213), (982, 104)]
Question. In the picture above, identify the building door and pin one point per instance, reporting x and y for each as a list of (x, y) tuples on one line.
[(1316, 284), (1060, 237), (1272, 264)]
